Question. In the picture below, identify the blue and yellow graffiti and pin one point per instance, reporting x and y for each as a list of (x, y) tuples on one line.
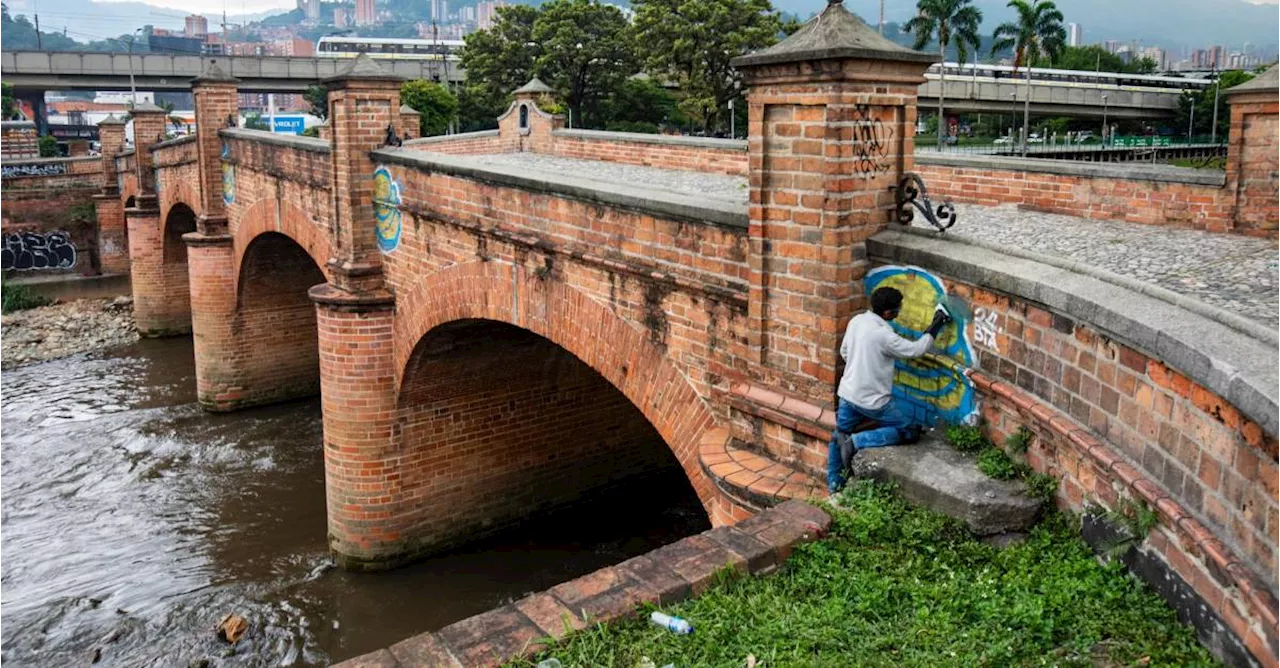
[(228, 176), (934, 385), (386, 210)]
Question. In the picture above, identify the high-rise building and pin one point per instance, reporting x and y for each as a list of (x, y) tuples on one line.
[(1075, 34), (1217, 57), (294, 47), (440, 11), (340, 17), (364, 12), (487, 13), (1111, 45), (311, 9), (467, 14), (197, 26)]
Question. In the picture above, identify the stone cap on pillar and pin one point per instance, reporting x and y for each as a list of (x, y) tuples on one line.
[(1267, 82), (112, 119), (406, 110), (214, 75), (835, 33), (362, 70), (533, 88), (146, 108)]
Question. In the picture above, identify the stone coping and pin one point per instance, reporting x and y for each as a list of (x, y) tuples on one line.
[(124, 153), (756, 480), (650, 201), (313, 144), (738, 145), (1094, 170), (16, 125), (176, 141), (1237, 367), (669, 574), (444, 139), (53, 161)]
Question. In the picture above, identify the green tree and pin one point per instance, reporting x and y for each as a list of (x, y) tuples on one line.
[(641, 105), (253, 121), (1085, 58), (689, 43), (949, 20), (1037, 33), (497, 61), (1144, 65), (48, 146), (1202, 102), (8, 107), (434, 102), (318, 97), (585, 53)]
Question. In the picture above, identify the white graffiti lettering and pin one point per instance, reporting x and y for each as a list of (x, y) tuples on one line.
[(54, 169), (26, 251), (985, 328)]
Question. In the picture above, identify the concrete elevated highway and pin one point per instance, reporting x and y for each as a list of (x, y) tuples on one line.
[(1005, 94)]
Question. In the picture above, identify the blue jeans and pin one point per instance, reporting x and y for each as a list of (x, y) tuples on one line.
[(893, 426)]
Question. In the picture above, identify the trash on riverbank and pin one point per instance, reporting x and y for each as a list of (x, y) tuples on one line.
[(232, 627)]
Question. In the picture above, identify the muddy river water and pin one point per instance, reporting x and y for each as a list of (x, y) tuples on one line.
[(132, 521)]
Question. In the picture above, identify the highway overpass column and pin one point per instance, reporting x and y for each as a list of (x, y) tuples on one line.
[(158, 310), (1252, 166), (831, 116), (210, 253), (113, 242), (354, 318)]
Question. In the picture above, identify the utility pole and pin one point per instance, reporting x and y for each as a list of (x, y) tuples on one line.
[(1214, 131), (39, 46), (881, 17)]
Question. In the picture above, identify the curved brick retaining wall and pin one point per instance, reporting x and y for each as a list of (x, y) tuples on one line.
[(1133, 397)]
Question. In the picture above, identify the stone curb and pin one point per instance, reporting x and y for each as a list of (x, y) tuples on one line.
[(313, 144), (1088, 170), (444, 139), (669, 574), (176, 141), (736, 145)]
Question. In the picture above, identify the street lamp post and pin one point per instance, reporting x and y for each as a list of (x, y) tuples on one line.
[(133, 90), (1104, 119), (1213, 132)]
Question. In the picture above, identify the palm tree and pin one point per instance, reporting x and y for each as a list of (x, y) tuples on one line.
[(948, 19), (1037, 33)]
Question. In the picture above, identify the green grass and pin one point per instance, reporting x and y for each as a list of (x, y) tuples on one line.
[(19, 298), (894, 585), (1217, 162)]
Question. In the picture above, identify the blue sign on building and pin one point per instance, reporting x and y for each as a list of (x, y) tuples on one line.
[(289, 124)]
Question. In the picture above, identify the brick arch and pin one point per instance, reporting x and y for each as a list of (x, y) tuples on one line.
[(128, 188), (177, 220), (284, 218), (617, 350), (177, 193)]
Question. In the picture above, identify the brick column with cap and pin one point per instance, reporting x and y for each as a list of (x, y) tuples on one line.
[(211, 254), (354, 317), (832, 112), (113, 240), (1252, 166), (158, 309), (410, 123)]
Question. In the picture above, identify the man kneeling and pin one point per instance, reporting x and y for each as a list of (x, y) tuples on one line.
[(866, 389)]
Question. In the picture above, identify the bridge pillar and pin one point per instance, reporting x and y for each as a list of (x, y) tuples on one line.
[(1251, 154), (354, 317), (161, 301), (113, 240), (831, 115), (410, 123)]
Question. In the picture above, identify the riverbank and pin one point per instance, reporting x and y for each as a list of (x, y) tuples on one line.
[(64, 329), (895, 585)]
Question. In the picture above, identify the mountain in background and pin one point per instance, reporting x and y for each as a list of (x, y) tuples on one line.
[(87, 21), (1166, 23)]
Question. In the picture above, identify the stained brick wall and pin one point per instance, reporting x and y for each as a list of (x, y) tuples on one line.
[(18, 140), (694, 154), (467, 143), (1104, 197), (498, 423), (1252, 171), (56, 203)]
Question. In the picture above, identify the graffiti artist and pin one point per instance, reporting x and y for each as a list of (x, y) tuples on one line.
[(866, 389)]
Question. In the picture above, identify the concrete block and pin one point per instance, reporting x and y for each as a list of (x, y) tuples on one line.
[(933, 474)]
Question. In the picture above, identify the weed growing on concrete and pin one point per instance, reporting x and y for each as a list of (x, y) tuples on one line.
[(1134, 521), (996, 464), (967, 439), (896, 585), (1041, 486), (19, 298)]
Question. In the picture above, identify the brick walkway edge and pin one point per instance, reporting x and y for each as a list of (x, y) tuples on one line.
[(671, 573)]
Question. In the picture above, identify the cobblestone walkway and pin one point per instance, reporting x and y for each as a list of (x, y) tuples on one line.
[(711, 186), (1232, 272)]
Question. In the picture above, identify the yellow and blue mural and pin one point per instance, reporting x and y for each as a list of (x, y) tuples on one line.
[(933, 385), (386, 210), (228, 176)]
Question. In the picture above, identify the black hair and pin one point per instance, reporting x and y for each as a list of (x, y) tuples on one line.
[(885, 299)]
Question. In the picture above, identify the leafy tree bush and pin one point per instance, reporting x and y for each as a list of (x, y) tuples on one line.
[(48, 146), (434, 102)]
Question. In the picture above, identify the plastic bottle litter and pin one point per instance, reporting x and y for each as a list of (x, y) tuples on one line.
[(549, 663), (672, 624)]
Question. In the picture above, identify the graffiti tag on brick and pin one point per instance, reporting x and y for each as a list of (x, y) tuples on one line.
[(871, 142), (54, 169), (26, 251), (985, 329)]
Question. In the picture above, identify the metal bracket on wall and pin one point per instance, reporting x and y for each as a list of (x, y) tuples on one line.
[(911, 192)]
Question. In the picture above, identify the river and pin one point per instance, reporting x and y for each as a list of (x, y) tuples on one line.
[(132, 521)]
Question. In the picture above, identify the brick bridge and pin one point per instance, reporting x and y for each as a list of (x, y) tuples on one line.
[(495, 328)]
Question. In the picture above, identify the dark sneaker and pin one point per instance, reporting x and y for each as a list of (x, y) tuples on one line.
[(847, 449), (910, 434)]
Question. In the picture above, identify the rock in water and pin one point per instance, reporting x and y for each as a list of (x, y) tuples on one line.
[(232, 627)]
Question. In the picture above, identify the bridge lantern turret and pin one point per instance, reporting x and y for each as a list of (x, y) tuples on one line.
[(831, 117), (529, 121)]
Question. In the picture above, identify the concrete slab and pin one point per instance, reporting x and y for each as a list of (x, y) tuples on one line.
[(934, 475)]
